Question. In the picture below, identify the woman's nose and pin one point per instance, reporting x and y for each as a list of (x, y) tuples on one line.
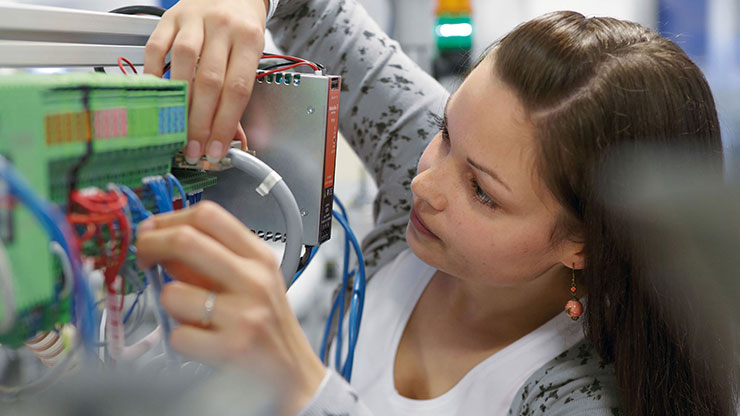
[(429, 187)]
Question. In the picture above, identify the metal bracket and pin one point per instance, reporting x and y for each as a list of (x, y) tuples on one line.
[(39, 36)]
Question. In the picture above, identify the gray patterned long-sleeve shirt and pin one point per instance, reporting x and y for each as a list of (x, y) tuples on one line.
[(388, 114)]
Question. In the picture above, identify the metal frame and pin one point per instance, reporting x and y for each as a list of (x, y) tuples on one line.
[(39, 36)]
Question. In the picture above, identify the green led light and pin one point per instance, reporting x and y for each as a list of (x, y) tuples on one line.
[(454, 32)]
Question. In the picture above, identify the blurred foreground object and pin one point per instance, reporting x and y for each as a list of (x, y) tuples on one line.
[(156, 393), (685, 220)]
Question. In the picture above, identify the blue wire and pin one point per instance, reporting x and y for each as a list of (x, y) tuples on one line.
[(341, 208), (327, 328), (345, 281), (172, 179), (133, 305), (165, 196), (153, 277), (162, 196), (357, 303), (298, 274), (59, 230)]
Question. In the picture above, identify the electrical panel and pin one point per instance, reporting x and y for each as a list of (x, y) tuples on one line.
[(127, 128), (291, 123)]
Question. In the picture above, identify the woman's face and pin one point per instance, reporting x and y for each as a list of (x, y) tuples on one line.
[(480, 211)]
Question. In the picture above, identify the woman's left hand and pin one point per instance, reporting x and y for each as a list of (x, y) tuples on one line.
[(207, 250)]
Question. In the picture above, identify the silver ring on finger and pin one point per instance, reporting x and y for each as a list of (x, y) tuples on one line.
[(208, 307)]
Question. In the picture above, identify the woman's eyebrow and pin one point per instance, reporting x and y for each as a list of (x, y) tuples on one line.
[(488, 172), (476, 165)]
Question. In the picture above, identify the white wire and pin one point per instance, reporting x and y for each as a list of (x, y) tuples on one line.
[(7, 292), (51, 376), (116, 338), (101, 331)]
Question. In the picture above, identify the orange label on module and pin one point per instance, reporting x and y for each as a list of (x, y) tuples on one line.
[(332, 126)]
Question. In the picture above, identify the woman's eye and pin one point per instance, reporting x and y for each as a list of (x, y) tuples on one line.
[(441, 123), (481, 195)]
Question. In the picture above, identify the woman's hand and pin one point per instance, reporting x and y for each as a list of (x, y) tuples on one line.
[(224, 39), (251, 325)]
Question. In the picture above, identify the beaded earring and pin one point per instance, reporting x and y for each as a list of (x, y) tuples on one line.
[(573, 308)]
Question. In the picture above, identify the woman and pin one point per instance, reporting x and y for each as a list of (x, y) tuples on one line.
[(480, 246)]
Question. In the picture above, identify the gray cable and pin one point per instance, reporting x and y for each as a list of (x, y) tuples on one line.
[(7, 292), (273, 184)]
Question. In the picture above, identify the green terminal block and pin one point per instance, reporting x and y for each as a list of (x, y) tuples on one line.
[(194, 180), (135, 124)]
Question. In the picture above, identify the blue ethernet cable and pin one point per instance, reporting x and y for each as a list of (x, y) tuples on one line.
[(345, 281), (154, 275), (356, 304), (341, 208)]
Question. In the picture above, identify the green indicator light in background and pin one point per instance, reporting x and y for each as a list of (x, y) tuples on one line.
[(454, 32)]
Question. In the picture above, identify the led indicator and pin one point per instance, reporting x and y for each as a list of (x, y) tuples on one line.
[(455, 30)]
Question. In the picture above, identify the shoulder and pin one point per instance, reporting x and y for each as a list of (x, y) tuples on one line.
[(576, 382)]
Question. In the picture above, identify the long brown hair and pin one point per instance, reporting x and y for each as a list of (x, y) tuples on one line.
[(592, 85)]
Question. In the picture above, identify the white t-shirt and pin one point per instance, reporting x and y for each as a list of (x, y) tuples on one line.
[(488, 388)]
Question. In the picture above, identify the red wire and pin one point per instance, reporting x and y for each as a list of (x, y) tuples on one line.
[(120, 65), (291, 58), (104, 210), (284, 68)]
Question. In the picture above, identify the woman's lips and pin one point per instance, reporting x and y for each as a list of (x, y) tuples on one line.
[(419, 225)]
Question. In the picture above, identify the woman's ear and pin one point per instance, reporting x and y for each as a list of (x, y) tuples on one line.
[(573, 255)]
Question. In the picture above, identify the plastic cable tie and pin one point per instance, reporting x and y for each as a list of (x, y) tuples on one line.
[(268, 183)]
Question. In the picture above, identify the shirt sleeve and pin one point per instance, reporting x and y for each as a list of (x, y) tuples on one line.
[(389, 107), (335, 397), (576, 382)]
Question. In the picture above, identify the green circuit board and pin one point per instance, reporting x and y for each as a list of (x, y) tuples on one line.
[(134, 125)]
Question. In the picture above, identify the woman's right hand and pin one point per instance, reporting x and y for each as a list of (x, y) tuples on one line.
[(224, 40)]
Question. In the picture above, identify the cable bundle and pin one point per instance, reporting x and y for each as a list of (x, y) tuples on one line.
[(102, 216), (357, 299), (292, 62)]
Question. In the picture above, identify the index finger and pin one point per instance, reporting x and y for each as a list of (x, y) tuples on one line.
[(214, 221), (238, 87), (197, 252), (158, 45)]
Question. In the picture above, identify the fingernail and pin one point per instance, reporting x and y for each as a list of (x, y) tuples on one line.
[(145, 225), (214, 151), (192, 152)]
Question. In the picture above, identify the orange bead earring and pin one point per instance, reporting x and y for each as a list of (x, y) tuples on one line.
[(573, 308)]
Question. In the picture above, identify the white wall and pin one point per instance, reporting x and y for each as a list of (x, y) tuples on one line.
[(492, 18)]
